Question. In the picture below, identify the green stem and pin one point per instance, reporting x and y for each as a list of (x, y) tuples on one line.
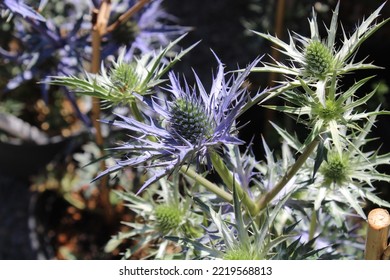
[(313, 224), (229, 180), (225, 174), (206, 183), (137, 115), (135, 110), (267, 197)]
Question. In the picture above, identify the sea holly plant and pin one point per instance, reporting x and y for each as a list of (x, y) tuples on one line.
[(189, 128), (315, 59), (207, 193), (333, 116), (125, 78), (231, 236)]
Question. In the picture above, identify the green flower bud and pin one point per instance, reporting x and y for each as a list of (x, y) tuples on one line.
[(125, 77), (169, 217), (318, 59), (336, 169), (331, 111)]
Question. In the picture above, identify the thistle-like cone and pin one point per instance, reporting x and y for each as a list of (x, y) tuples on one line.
[(169, 217), (189, 120), (318, 59), (335, 170)]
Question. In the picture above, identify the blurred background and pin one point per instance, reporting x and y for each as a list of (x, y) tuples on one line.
[(48, 207)]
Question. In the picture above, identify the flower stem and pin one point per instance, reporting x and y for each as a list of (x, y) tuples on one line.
[(313, 224), (267, 197), (99, 23), (128, 14), (229, 180), (206, 183), (135, 110)]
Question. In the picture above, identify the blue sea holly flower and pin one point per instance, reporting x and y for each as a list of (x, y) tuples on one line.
[(186, 128)]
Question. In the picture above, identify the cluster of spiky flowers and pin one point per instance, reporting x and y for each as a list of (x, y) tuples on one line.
[(149, 29), (340, 173), (182, 126), (69, 42), (313, 78), (235, 236), (186, 129)]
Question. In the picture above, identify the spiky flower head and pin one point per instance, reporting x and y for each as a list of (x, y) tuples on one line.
[(235, 236), (185, 128), (335, 169), (318, 59), (160, 211), (126, 76), (169, 217), (189, 120), (348, 177), (314, 58)]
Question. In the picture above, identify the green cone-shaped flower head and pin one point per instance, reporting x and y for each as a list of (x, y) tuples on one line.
[(332, 110), (125, 76), (336, 169), (169, 217), (318, 59)]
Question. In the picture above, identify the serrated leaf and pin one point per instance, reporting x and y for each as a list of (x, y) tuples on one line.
[(364, 31), (375, 199), (333, 27), (273, 69), (320, 157), (320, 198), (336, 139), (289, 109), (289, 49), (314, 133), (290, 140), (352, 201), (241, 228), (360, 101), (276, 241)]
